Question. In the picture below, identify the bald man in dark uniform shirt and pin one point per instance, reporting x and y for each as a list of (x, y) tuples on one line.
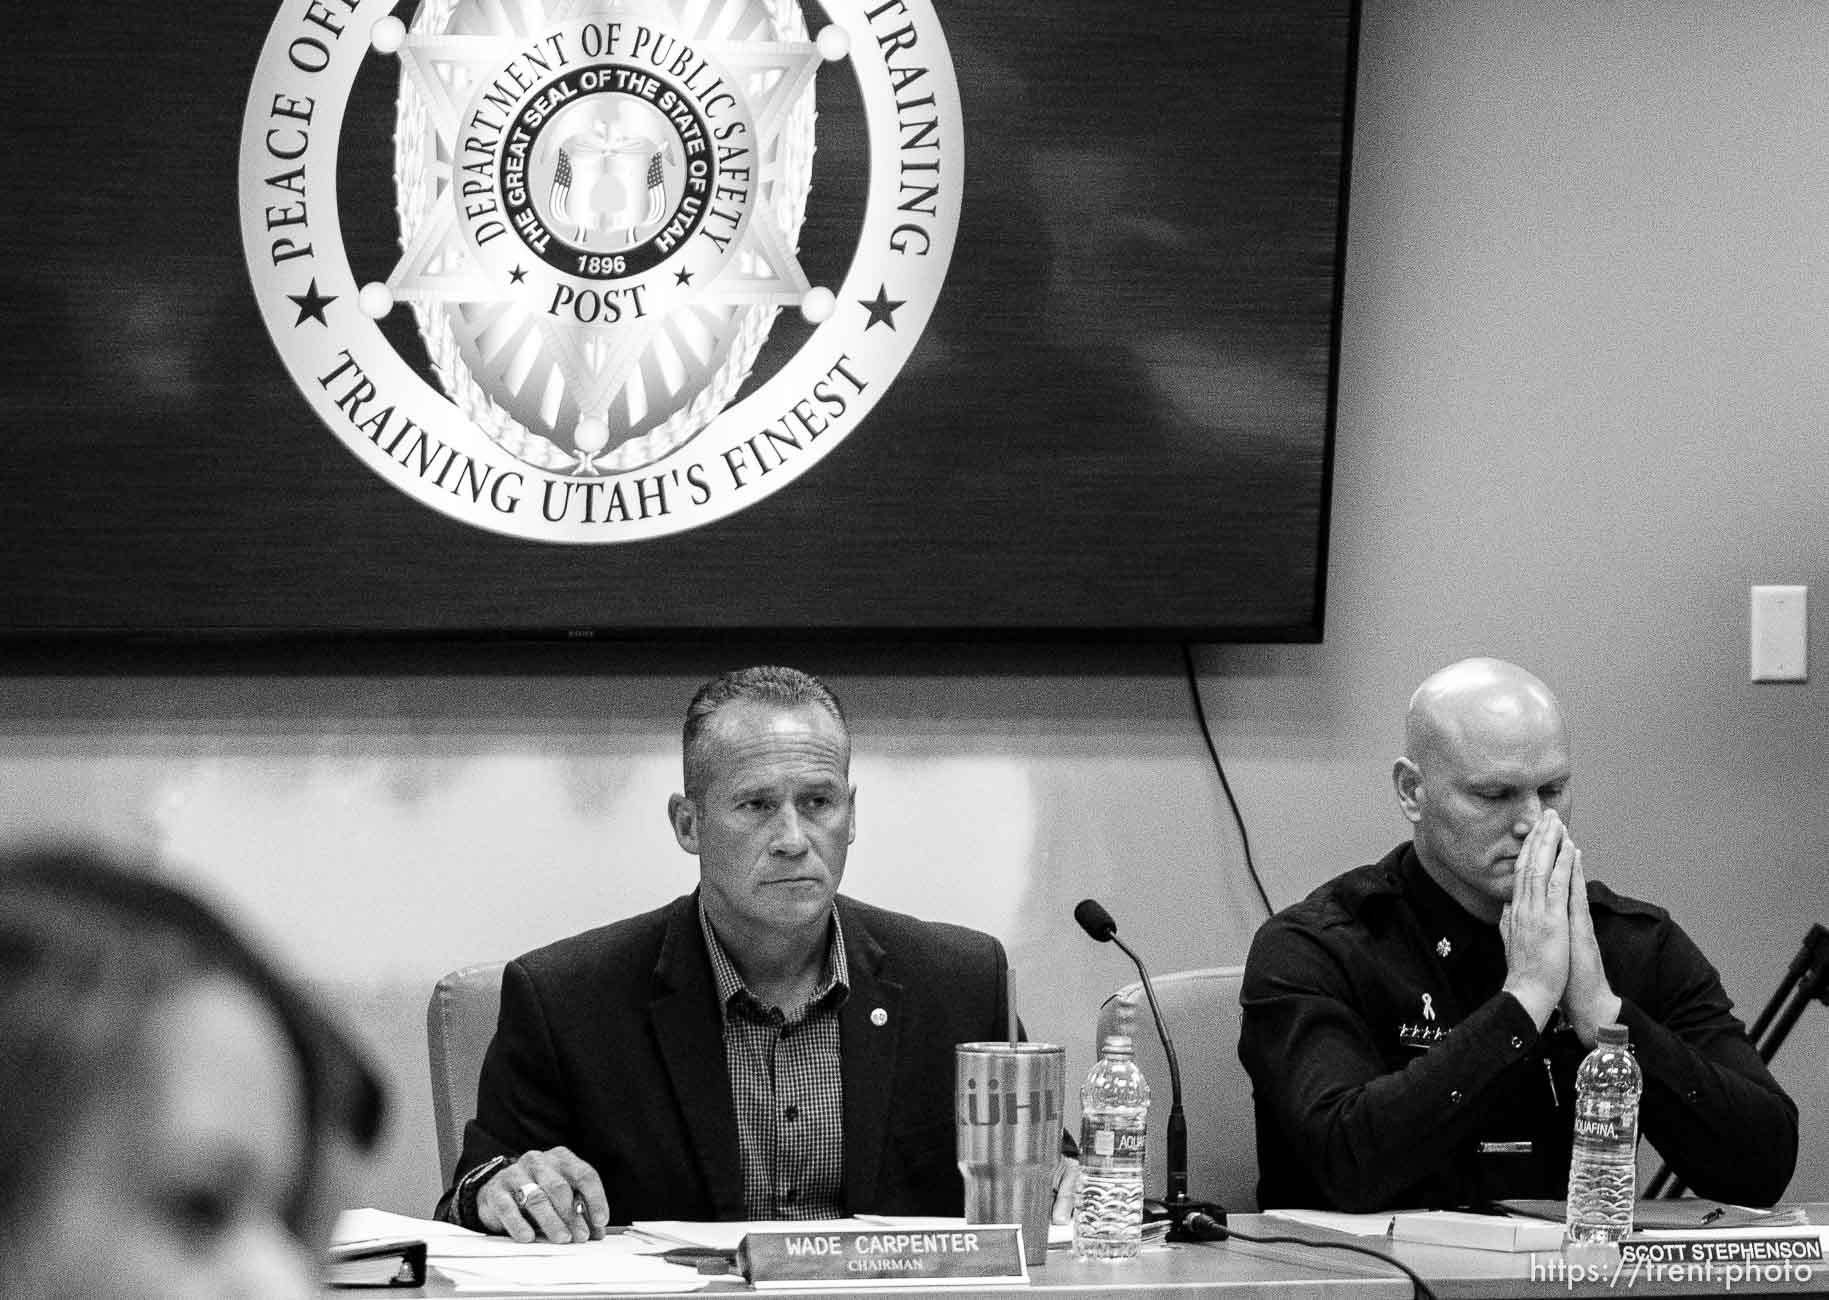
[(1413, 1027)]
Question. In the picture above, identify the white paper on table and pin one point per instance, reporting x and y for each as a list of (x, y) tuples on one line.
[(728, 1235), (1476, 1231), (448, 1241), (1751, 1230), (382, 1225), (1357, 1225), (583, 1269)]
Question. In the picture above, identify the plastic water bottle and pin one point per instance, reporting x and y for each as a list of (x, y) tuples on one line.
[(1604, 1171), (1108, 1208)]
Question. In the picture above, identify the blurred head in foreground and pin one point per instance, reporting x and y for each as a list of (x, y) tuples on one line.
[(168, 1101)]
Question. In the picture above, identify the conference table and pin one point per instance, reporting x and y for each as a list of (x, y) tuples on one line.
[(1237, 1268)]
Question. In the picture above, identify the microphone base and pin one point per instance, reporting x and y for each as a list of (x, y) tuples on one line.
[(1189, 1220)]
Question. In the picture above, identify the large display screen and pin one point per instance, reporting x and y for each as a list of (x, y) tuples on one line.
[(471, 321)]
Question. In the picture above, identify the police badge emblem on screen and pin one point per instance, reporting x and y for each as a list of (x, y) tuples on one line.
[(599, 208)]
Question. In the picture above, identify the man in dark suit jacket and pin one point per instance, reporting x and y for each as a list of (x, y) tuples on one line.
[(759, 1048)]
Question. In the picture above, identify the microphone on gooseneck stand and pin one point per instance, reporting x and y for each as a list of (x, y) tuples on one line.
[(1189, 1220)]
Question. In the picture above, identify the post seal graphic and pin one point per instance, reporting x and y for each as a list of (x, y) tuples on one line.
[(597, 206)]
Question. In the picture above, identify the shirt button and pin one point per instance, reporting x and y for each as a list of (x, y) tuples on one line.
[(1455, 1096), (790, 1112)]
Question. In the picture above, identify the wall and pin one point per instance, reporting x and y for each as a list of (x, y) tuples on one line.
[(1582, 394), (1579, 416), (380, 828)]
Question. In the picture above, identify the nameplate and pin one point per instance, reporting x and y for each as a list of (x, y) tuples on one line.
[(887, 1256), (1775, 1249)]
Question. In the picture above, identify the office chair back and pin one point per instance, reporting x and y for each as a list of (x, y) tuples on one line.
[(1201, 1008), (460, 1021)]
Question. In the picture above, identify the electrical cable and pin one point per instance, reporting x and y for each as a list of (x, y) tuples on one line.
[(1238, 818), (1220, 1232), (1217, 1231)]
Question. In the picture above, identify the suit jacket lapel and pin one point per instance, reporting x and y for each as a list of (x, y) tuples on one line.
[(689, 1028), (870, 1033)]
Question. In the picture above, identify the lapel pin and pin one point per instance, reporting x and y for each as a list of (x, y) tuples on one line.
[(879, 1017)]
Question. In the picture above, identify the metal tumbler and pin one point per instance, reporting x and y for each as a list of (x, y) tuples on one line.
[(1009, 1099)]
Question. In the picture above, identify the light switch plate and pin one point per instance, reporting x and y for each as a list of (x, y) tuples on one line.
[(1780, 634)]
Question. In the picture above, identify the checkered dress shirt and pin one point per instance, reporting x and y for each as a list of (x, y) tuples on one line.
[(788, 1089)]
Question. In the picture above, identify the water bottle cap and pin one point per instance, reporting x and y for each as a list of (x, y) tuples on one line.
[(1118, 1045), (1126, 1024), (1614, 1035)]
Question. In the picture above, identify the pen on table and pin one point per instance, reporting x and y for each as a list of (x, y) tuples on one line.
[(1714, 1214), (708, 1261)]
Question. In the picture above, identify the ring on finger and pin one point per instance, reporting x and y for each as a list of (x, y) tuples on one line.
[(524, 1192)]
